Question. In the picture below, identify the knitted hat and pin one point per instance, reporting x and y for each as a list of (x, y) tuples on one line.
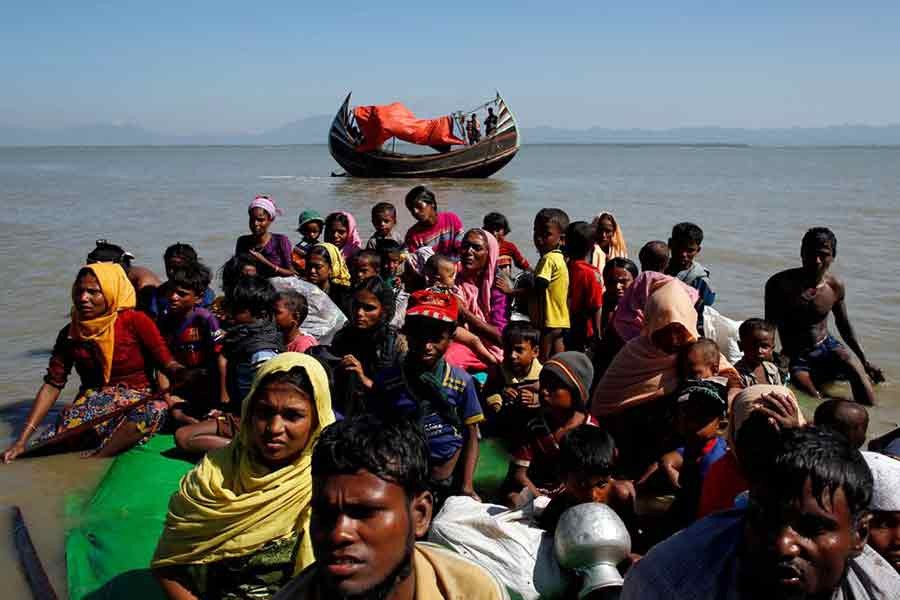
[(434, 305), (886, 478), (714, 388), (575, 370), (309, 216)]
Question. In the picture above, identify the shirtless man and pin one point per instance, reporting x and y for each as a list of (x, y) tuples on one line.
[(798, 302)]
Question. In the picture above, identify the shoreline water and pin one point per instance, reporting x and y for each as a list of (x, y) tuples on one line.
[(753, 203)]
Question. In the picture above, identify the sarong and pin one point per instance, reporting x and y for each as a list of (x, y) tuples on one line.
[(105, 409)]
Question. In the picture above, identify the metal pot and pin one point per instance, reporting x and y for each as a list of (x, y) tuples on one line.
[(591, 539)]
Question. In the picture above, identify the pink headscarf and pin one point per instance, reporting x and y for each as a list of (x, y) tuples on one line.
[(267, 204), (477, 292), (628, 319), (353, 243)]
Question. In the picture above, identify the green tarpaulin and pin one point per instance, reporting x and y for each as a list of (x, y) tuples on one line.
[(111, 535)]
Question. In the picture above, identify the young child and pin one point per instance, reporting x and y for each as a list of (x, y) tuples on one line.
[(440, 274), (251, 340), (309, 225), (757, 342), (440, 277), (511, 392), (564, 392), (290, 310), (340, 230), (549, 307), (366, 264), (701, 408), (587, 460), (685, 246), (497, 225), (393, 257), (384, 219), (654, 256), (585, 289), (850, 419), (441, 397), (699, 361), (194, 337), (177, 255), (439, 230)]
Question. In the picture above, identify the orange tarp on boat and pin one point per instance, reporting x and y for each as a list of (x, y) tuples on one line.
[(380, 123)]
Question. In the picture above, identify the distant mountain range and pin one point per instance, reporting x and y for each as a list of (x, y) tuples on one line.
[(314, 130)]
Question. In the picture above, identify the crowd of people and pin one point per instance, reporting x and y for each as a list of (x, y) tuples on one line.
[(338, 393)]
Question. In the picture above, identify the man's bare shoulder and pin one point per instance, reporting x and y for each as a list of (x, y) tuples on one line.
[(784, 279), (836, 284)]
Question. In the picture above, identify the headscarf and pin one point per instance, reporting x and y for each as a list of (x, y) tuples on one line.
[(119, 295), (230, 505), (886, 481), (617, 246), (476, 290), (267, 204), (628, 320), (339, 272), (748, 400), (353, 243), (641, 371)]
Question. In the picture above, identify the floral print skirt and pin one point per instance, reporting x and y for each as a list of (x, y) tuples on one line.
[(106, 409)]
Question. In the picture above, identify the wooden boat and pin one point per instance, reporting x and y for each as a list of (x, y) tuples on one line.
[(481, 159)]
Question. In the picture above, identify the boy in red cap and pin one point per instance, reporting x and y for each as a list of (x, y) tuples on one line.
[(442, 398)]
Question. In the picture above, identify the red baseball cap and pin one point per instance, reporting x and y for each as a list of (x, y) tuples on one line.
[(434, 305)]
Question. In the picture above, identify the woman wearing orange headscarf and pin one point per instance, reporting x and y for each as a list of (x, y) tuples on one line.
[(112, 347)]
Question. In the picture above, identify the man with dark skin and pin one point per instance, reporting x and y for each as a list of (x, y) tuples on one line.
[(802, 537), (490, 123), (799, 301), (370, 504)]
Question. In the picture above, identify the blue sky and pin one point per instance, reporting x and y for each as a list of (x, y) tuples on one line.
[(191, 67)]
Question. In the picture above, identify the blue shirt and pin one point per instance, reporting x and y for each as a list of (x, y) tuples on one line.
[(391, 397)]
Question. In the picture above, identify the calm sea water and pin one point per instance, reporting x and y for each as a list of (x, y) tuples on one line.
[(753, 203)]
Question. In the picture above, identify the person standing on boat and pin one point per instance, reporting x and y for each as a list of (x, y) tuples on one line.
[(112, 346), (272, 251), (490, 123), (473, 129)]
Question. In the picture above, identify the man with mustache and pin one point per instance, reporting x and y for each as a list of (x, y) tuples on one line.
[(370, 504), (802, 537)]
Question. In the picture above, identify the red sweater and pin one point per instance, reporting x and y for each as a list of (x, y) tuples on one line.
[(138, 349)]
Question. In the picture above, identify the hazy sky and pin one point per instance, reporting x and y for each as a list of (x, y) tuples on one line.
[(190, 67)]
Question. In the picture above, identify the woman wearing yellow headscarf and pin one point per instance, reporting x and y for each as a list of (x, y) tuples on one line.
[(609, 241), (327, 270), (238, 526), (112, 347)]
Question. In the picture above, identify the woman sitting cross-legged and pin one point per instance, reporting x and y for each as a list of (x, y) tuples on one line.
[(238, 528)]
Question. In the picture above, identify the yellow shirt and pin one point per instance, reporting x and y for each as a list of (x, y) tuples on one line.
[(440, 575), (551, 311)]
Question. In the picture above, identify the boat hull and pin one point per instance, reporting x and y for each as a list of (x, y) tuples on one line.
[(479, 160)]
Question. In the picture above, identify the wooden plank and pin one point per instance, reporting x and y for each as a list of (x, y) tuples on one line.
[(41, 588)]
